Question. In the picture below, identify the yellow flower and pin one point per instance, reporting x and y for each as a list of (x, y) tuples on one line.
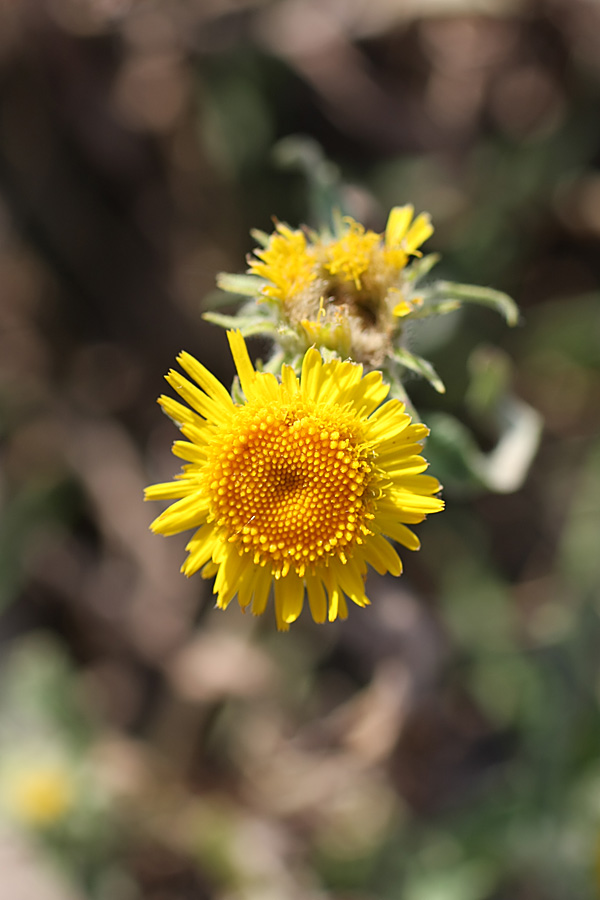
[(298, 488), (358, 273), (40, 795), (403, 237), (287, 263)]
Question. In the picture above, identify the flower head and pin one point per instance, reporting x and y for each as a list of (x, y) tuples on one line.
[(350, 293), (358, 273), (297, 488)]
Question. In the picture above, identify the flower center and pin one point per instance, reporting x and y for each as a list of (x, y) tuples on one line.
[(290, 486)]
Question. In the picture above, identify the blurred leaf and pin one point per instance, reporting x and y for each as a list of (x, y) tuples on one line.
[(458, 461), (39, 692), (507, 686), (248, 325), (242, 285), (237, 121), (261, 237), (419, 365), (435, 309), (477, 607), (491, 371), (470, 293), (419, 268), (452, 452), (473, 880), (38, 506), (579, 557), (323, 180), (505, 468)]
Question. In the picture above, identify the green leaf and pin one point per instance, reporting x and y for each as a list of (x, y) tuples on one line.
[(324, 187), (419, 365), (261, 237), (243, 285), (505, 468), (453, 453), (491, 373), (221, 319), (248, 325), (456, 457), (435, 309), (421, 267), (473, 293)]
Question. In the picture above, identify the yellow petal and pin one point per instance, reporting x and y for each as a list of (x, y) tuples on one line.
[(352, 582), (262, 590), (420, 230), (189, 512), (381, 555), (243, 364), (246, 588), (169, 490), (289, 597), (289, 380), (180, 414), (310, 380), (189, 451), (316, 597), (207, 381), (400, 533), (235, 568), (200, 548), (402, 309), (207, 407), (398, 221)]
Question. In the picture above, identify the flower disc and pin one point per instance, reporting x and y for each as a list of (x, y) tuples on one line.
[(291, 484)]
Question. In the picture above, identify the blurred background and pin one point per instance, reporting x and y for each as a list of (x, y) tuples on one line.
[(443, 744)]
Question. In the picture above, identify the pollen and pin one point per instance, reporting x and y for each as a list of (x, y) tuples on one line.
[(291, 486)]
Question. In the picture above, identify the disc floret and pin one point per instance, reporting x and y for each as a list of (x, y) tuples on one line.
[(292, 485)]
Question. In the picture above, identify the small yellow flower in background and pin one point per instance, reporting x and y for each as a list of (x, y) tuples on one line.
[(39, 795), (358, 274), (298, 488)]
